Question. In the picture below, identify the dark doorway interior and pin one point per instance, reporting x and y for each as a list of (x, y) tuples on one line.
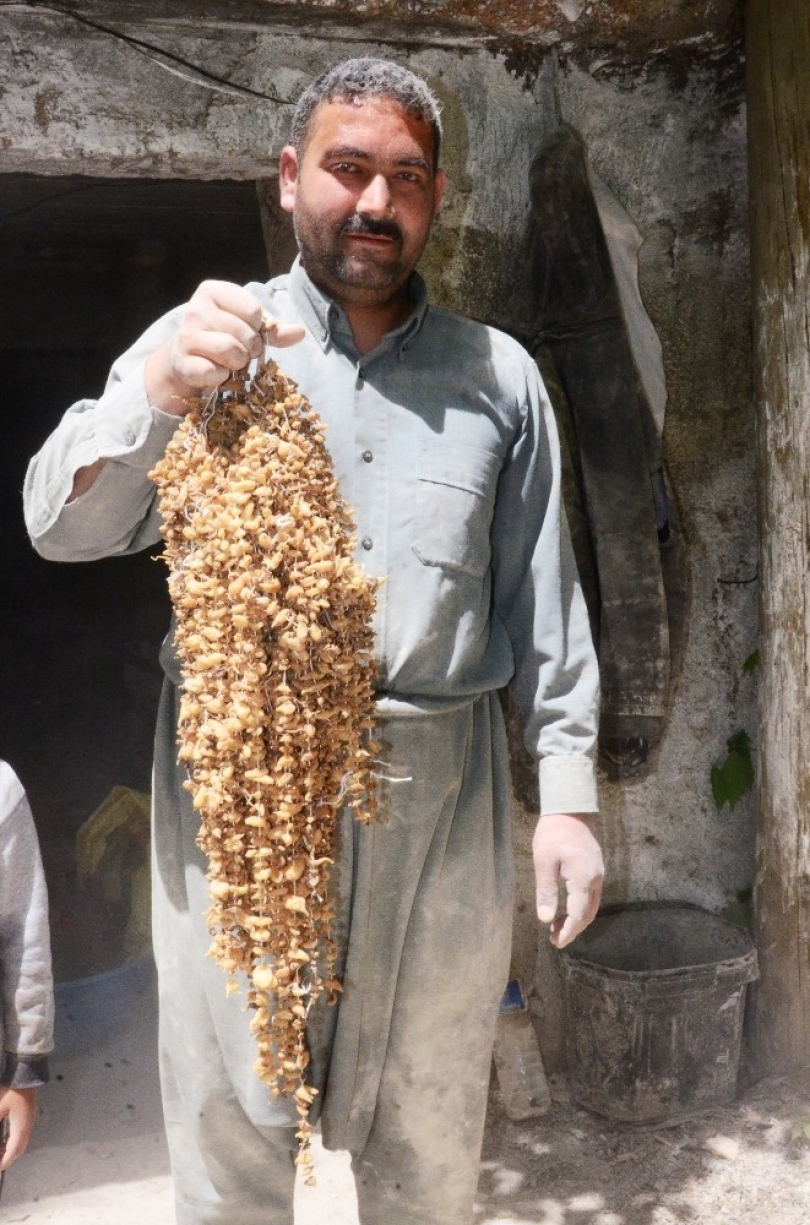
[(85, 265)]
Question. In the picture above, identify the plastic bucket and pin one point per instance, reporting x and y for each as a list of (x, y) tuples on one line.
[(654, 999)]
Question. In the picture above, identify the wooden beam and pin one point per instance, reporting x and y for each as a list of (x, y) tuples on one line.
[(778, 85)]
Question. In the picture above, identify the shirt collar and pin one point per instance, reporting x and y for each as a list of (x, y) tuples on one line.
[(326, 320)]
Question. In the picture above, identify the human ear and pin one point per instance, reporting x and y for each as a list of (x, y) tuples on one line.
[(288, 177)]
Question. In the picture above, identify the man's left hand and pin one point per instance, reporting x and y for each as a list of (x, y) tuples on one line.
[(566, 849)]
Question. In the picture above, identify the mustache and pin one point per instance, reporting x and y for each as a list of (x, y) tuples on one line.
[(375, 226)]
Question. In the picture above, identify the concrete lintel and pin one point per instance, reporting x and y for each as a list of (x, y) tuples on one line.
[(633, 26)]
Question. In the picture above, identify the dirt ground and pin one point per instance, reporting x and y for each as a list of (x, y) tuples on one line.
[(747, 1163), (98, 1157)]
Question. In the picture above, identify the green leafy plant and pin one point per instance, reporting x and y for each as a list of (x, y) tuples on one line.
[(734, 776)]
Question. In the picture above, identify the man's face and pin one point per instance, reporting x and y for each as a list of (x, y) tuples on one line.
[(363, 195)]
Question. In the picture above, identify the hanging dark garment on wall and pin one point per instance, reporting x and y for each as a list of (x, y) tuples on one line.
[(615, 495)]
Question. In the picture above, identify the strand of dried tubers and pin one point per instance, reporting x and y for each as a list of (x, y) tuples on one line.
[(273, 633)]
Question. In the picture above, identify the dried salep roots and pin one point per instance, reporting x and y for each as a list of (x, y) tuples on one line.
[(275, 643)]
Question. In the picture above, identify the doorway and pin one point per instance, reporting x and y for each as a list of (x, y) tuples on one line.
[(86, 265)]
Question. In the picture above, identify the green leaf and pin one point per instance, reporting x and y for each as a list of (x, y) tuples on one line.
[(752, 663), (740, 743), (734, 777)]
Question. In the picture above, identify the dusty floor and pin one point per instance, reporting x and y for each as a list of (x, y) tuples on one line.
[(98, 1157), (748, 1163)]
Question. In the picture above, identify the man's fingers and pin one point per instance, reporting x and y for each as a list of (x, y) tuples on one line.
[(569, 925), (281, 334), (213, 297), (547, 900), (223, 329), (581, 909), (204, 373), (545, 850), (207, 319), (220, 332), (206, 359), (583, 897), (566, 849)]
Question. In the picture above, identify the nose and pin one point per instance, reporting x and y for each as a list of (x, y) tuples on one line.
[(376, 197)]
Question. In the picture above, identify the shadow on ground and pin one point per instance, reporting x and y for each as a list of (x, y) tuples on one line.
[(748, 1162)]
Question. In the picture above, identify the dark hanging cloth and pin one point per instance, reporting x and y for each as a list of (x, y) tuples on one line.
[(616, 497)]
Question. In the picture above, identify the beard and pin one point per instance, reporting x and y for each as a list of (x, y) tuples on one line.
[(367, 275)]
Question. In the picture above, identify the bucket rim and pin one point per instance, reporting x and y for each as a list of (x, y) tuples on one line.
[(742, 967)]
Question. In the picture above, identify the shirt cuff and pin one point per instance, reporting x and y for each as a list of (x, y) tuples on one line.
[(568, 784), (128, 428), (20, 1072)]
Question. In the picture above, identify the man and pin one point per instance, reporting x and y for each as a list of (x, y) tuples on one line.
[(443, 440)]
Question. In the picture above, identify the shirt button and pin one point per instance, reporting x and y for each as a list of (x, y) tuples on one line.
[(129, 438), (367, 543), (367, 456)]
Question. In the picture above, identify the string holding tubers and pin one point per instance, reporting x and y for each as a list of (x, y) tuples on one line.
[(275, 642)]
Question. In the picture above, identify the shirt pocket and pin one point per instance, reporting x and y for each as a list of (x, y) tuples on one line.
[(455, 495)]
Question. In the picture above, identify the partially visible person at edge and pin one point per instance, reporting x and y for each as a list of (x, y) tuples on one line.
[(443, 440), (26, 982)]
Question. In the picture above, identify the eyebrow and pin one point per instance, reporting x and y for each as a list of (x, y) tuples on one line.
[(339, 151)]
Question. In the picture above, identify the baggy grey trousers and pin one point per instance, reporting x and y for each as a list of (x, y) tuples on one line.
[(402, 1062)]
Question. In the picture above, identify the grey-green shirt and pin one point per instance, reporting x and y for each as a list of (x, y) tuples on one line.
[(444, 442)]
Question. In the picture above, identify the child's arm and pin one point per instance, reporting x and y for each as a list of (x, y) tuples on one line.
[(26, 985), (18, 1103)]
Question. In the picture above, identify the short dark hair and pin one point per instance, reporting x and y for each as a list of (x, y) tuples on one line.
[(368, 77)]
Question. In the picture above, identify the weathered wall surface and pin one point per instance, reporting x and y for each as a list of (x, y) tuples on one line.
[(672, 148), (669, 140), (670, 143)]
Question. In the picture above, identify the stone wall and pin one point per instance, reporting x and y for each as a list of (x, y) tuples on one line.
[(669, 140)]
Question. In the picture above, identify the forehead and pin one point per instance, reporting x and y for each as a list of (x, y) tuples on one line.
[(372, 125)]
